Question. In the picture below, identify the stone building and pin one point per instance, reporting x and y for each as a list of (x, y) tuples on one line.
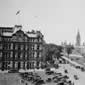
[(19, 49)]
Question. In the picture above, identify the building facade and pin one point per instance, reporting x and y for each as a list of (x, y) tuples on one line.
[(19, 49)]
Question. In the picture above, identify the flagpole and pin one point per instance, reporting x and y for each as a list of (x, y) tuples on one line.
[(18, 17)]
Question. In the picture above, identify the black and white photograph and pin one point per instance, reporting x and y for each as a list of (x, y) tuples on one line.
[(42, 42)]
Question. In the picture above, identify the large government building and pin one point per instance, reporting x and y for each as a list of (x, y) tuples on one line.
[(19, 49)]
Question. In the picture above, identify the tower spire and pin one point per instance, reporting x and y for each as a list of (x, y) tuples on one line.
[(78, 39)]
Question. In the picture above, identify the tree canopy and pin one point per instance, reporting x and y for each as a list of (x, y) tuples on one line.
[(51, 51)]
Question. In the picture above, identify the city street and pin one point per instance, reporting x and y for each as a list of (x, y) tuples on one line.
[(73, 71), (42, 42), (14, 79)]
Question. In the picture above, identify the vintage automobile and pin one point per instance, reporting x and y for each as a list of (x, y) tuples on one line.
[(76, 77), (13, 71)]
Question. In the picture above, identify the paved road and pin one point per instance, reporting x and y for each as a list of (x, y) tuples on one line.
[(12, 79), (73, 71)]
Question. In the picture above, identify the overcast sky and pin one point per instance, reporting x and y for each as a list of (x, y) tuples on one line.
[(58, 20)]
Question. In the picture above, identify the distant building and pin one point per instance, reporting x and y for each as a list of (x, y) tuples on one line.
[(19, 49), (78, 39), (79, 48)]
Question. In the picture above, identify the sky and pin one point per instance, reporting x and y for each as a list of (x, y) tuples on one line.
[(58, 20)]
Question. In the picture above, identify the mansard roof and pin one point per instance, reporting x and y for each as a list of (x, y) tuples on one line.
[(12, 31), (6, 29)]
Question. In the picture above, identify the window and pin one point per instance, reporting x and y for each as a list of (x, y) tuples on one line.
[(8, 55), (26, 55), (16, 64), (35, 46), (38, 47), (25, 65), (16, 55), (35, 40), (0, 54), (0, 38), (25, 39), (16, 46), (0, 45), (32, 55), (14, 38), (21, 55), (22, 46), (8, 39), (11, 46), (32, 65), (35, 54), (32, 47), (40, 54), (40, 40), (26, 47), (11, 64), (11, 54), (22, 65)]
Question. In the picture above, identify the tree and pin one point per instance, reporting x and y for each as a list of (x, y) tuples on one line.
[(50, 52), (59, 53), (69, 49)]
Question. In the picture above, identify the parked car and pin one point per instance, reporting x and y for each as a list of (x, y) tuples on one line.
[(60, 83), (59, 74), (56, 80), (35, 80), (36, 77), (22, 81), (56, 66), (76, 77), (47, 69), (49, 72), (65, 71), (82, 69), (48, 80), (56, 77), (13, 71), (29, 78), (30, 73), (66, 77), (40, 82), (78, 67)]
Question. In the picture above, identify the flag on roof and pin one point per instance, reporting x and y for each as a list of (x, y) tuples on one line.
[(18, 12)]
